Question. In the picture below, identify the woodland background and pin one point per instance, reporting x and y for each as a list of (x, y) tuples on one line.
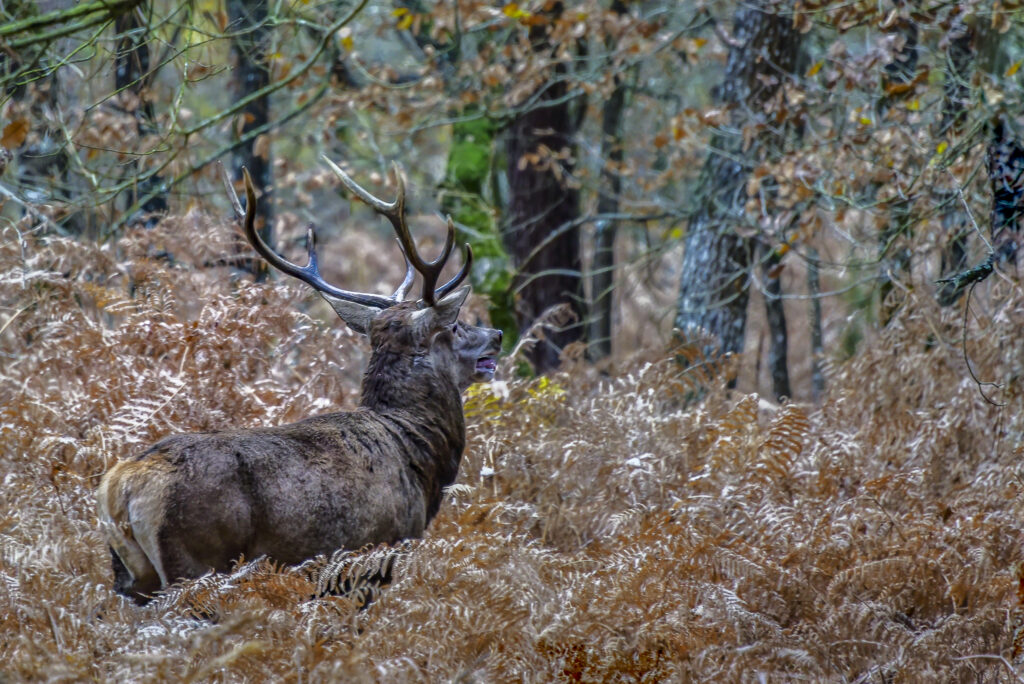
[(743, 432)]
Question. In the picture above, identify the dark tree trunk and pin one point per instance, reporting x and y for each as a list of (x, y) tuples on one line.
[(957, 98), (602, 282), (44, 166), (252, 73), (1005, 157), (541, 231), (714, 288), (817, 340), (895, 253), (131, 75), (778, 340), (957, 85)]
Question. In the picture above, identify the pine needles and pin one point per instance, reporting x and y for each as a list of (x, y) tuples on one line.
[(602, 529)]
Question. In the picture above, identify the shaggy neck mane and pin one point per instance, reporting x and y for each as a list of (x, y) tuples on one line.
[(424, 403)]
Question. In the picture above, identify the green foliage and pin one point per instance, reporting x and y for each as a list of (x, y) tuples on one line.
[(469, 165), (469, 160)]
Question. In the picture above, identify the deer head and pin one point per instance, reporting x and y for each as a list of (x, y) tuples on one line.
[(426, 326)]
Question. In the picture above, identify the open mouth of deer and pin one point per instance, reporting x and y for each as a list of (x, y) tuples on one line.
[(486, 365)]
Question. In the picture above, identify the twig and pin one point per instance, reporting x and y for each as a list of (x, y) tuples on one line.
[(240, 104), (15, 315), (212, 157), (963, 345), (237, 106), (725, 37), (967, 208), (31, 209), (82, 9), (992, 656)]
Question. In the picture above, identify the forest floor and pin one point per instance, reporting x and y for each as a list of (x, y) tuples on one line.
[(645, 524)]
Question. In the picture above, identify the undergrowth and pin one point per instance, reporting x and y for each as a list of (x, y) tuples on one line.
[(603, 527)]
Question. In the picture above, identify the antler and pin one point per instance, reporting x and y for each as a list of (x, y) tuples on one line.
[(395, 213), (310, 273)]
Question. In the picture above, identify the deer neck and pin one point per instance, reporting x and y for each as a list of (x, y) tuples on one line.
[(424, 403), (396, 381)]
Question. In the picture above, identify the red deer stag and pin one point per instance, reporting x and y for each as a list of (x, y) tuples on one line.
[(193, 503)]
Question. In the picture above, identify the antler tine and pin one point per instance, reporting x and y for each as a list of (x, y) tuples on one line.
[(232, 195), (467, 263), (310, 273), (410, 274), (395, 213), (388, 209)]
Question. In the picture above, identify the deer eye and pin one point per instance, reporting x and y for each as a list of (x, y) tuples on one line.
[(455, 328)]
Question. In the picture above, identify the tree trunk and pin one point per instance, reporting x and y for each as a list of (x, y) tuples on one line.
[(541, 232), (602, 281), (895, 252), (957, 98), (251, 74), (131, 78), (714, 288), (778, 346), (817, 339), (1005, 157)]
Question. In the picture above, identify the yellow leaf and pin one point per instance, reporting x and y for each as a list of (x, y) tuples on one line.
[(939, 149), (865, 121), (512, 10), (914, 105), (399, 11), (347, 43), (815, 69), (700, 42), (1014, 68), (405, 22)]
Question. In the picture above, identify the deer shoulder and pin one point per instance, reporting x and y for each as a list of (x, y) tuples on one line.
[(193, 503)]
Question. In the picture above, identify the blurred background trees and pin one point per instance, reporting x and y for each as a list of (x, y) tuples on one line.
[(772, 178)]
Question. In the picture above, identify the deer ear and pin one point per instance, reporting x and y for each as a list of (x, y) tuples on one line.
[(358, 316), (446, 311)]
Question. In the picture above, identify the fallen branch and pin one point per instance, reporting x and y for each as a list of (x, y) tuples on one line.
[(962, 280)]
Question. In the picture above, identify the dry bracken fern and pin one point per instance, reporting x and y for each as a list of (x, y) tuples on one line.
[(647, 524)]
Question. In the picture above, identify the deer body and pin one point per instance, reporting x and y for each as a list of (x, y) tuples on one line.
[(197, 502)]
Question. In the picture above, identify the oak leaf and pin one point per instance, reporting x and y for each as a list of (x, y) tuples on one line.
[(15, 133)]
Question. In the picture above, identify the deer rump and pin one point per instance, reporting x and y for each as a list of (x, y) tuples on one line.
[(197, 502)]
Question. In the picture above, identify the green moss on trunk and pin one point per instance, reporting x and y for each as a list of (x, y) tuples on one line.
[(462, 197)]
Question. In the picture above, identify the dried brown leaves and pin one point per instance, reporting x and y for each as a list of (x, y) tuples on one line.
[(603, 528)]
